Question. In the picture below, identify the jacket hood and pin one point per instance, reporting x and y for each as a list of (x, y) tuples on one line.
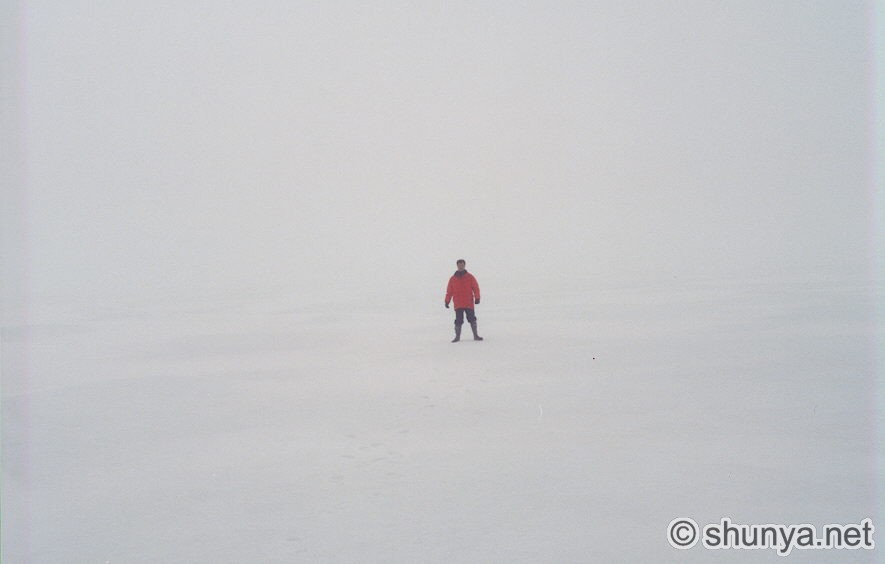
[(460, 273)]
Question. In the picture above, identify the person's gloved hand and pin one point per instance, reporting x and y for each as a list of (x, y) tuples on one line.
[(447, 305), (476, 301)]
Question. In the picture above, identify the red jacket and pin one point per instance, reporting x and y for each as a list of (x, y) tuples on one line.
[(463, 288)]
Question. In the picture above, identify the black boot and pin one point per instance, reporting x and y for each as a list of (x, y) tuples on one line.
[(457, 334), (475, 336)]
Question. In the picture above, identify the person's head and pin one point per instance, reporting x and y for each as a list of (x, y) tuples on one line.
[(461, 263)]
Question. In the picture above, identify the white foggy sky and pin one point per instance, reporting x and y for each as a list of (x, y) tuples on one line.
[(207, 144)]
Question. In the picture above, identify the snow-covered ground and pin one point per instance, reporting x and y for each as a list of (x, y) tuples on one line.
[(280, 428), (335, 159)]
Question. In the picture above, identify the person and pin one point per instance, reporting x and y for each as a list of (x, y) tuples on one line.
[(464, 290)]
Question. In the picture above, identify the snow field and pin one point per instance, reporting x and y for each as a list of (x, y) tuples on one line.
[(344, 431)]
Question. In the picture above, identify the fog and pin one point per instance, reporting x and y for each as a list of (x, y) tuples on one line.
[(307, 145), (227, 230)]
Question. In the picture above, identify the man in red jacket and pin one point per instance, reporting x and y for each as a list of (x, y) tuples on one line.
[(465, 291)]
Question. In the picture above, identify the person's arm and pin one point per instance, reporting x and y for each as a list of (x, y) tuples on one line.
[(449, 293), (475, 291)]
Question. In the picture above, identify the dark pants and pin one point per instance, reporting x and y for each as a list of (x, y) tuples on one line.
[(459, 315)]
